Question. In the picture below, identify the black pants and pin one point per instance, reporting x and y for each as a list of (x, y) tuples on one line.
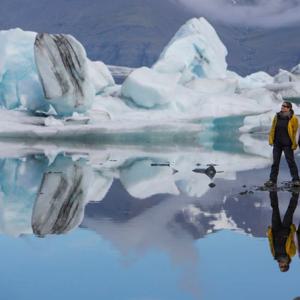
[(289, 156), (287, 221)]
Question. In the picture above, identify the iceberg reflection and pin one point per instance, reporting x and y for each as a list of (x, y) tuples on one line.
[(47, 194)]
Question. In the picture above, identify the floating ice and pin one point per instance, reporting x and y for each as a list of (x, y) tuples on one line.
[(100, 76), (150, 89), (19, 82), (296, 70), (51, 74), (287, 84), (207, 86), (194, 51), (287, 90), (39, 70), (255, 80), (261, 123), (63, 69)]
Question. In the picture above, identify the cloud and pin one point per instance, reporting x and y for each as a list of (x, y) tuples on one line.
[(254, 13)]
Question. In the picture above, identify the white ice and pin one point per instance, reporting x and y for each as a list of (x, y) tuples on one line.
[(20, 85), (194, 51)]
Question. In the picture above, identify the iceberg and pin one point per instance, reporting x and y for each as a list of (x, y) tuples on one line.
[(50, 73), (258, 123), (199, 98), (150, 89), (40, 71), (206, 86), (100, 76), (63, 70), (287, 84), (255, 80), (19, 81), (296, 70), (195, 51)]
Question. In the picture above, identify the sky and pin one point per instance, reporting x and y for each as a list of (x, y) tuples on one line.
[(253, 13)]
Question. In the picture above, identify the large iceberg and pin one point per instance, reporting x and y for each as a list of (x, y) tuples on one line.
[(190, 81), (39, 71), (200, 98), (63, 70), (148, 88), (287, 84), (19, 81), (194, 51)]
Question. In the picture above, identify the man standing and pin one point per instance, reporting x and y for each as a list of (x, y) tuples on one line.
[(283, 139)]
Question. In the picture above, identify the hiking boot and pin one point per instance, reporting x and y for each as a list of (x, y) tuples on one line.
[(296, 183), (270, 183)]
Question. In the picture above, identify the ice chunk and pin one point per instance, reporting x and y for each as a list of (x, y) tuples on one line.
[(51, 121), (19, 83), (213, 86), (63, 69), (150, 89), (287, 90), (39, 70), (255, 80), (296, 70), (284, 76), (263, 97), (256, 146), (100, 76), (287, 84), (260, 123), (194, 51)]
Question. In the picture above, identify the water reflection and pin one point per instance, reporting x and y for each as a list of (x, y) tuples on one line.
[(47, 194), (282, 232), (142, 201), (60, 201)]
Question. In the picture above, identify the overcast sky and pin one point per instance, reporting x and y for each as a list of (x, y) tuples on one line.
[(263, 13)]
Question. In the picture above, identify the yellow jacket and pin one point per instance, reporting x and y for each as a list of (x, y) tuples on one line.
[(292, 130), (290, 246)]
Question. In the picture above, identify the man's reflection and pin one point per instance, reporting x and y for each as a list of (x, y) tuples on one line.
[(281, 233)]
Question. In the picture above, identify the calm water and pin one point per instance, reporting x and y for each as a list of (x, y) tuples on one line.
[(178, 221)]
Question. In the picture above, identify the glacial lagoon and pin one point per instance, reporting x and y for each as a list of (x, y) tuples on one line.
[(184, 219)]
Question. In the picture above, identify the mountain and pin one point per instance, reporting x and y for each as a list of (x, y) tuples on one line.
[(134, 32)]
